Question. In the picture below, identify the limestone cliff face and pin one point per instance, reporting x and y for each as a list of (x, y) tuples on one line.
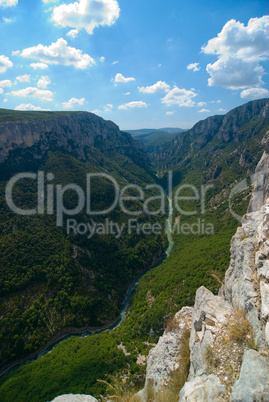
[(229, 341), (72, 132)]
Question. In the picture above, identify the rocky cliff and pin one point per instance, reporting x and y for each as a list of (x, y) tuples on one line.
[(205, 137), (229, 339), (73, 133)]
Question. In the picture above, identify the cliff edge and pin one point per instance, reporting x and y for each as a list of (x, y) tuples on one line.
[(229, 332)]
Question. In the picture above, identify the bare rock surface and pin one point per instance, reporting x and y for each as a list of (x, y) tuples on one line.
[(74, 398), (253, 383)]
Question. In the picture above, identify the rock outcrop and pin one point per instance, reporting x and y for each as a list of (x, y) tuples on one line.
[(74, 398), (164, 358)]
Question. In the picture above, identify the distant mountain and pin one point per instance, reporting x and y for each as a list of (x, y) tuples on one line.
[(142, 131), (153, 138)]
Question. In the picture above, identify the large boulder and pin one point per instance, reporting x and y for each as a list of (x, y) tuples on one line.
[(253, 382), (205, 388)]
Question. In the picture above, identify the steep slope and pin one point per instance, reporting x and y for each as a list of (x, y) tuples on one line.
[(215, 145), (229, 341), (54, 279)]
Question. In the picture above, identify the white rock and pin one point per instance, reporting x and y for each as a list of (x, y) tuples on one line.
[(253, 382), (203, 389), (267, 333), (75, 398), (264, 288)]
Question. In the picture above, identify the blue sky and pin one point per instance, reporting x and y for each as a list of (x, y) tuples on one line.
[(142, 63)]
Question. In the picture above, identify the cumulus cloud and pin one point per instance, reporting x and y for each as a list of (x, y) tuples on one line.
[(87, 14), (23, 78), (120, 78), (234, 73), (194, 67), (254, 93), (203, 111), (8, 3), (72, 102), (160, 86), (73, 33), (5, 83), (179, 96), (59, 53), (42, 94), (28, 106), (5, 63), (43, 82), (134, 104), (239, 49), (200, 104), (42, 66)]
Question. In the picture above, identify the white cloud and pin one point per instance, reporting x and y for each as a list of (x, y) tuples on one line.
[(222, 110), (5, 63), (254, 93), (8, 20), (120, 78), (72, 102), (42, 66), (87, 14), (5, 100), (127, 93), (73, 33), (5, 83), (103, 109), (108, 107), (15, 52), (49, 1), (42, 94), (8, 3), (200, 104), (1, 90), (134, 104), (170, 113), (115, 62), (160, 86), (194, 67), (179, 96), (43, 82), (239, 48), (234, 73), (59, 53), (102, 59), (23, 78), (203, 111), (23, 106)]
